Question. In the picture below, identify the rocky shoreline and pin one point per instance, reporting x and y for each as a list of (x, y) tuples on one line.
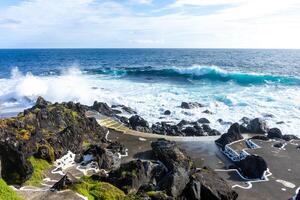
[(48, 131)]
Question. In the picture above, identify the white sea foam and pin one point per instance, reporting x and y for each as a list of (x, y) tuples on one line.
[(227, 100)]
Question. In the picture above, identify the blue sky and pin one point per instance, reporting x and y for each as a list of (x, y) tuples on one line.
[(149, 23)]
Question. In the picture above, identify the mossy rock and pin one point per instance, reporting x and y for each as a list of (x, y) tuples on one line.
[(7, 193), (39, 168), (96, 190)]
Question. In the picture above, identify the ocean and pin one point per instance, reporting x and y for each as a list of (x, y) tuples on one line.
[(231, 83)]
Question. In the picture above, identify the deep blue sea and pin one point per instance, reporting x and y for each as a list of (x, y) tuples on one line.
[(231, 83)]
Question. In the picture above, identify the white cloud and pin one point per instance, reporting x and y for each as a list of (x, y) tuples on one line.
[(100, 23)]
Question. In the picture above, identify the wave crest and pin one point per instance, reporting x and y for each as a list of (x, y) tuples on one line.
[(212, 73)]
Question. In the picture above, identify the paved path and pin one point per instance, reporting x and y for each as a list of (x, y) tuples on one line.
[(117, 126)]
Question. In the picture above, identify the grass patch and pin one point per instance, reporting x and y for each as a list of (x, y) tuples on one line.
[(96, 190), (7, 193), (39, 167)]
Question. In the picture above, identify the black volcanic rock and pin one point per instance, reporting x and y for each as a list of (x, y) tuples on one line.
[(203, 121), (258, 126), (125, 108), (131, 176), (139, 124), (64, 183), (206, 184), (166, 129), (190, 105), (233, 134), (289, 137), (167, 112), (260, 137), (274, 133), (103, 108), (46, 131), (105, 158), (178, 164), (278, 145), (193, 131), (252, 167)]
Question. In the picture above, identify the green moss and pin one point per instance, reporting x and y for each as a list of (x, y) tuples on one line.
[(39, 168), (96, 190), (74, 114), (7, 193), (86, 144), (157, 194)]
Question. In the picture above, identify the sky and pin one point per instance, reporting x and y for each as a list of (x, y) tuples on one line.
[(149, 24)]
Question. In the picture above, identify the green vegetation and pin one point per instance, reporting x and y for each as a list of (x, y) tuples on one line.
[(7, 193), (39, 167), (157, 194), (96, 190)]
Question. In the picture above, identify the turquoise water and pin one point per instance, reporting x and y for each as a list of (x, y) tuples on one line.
[(231, 83)]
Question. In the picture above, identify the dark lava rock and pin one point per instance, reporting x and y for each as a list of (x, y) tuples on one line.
[(183, 123), (274, 133), (46, 131), (64, 183), (260, 137), (167, 112), (206, 184), (203, 121), (233, 134), (252, 167), (103, 108), (123, 120), (192, 131), (105, 158), (178, 164), (117, 147), (166, 129), (258, 126), (298, 196), (130, 177), (214, 132), (207, 112), (190, 105), (278, 145), (139, 124), (125, 108), (289, 137)]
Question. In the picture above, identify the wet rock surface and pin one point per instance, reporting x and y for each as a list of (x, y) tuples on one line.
[(191, 105), (252, 166), (233, 134)]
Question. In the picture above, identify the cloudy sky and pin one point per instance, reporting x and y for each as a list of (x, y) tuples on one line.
[(150, 23)]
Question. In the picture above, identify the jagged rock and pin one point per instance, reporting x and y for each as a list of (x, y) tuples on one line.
[(14, 166), (178, 164), (252, 166), (258, 126), (203, 121), (117, 147), (190, 105), (274, 133), (103, 108), (125, 108), (123, 120), (289, 137), (278, 145), (105, 158), (233, 134), (130, 177), (207, 112), (139, 124), (166, 129), (46, 131), (206, 184), (167, 112), (214, 132), (192, 131), (183, 123), (64, 183)]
